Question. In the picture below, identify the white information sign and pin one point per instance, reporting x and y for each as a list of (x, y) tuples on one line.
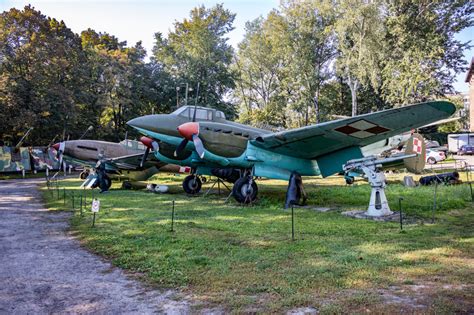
[(95, 205)]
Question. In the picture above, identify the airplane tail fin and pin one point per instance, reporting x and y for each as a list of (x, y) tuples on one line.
[(416, 144)]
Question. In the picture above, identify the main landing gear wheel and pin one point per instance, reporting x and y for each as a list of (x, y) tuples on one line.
[(431, 160), (192, 184), (245, 190), (84, 174)]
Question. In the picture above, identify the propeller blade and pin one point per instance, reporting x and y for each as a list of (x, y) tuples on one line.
[(199, 146), (180, 147), (144, 157), (156, 146)]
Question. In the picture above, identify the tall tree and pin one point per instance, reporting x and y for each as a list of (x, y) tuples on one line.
[(196, 51), (41, 75), (423, 53), (311, 45), (260, 64), (360, 32)]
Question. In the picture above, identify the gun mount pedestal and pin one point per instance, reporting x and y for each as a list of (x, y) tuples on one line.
[(378, 205), (372, 169)]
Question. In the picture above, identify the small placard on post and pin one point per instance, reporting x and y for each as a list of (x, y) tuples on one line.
[(95, 205)]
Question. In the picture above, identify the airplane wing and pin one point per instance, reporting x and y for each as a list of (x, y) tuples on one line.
[(344, 137), (132, 162)]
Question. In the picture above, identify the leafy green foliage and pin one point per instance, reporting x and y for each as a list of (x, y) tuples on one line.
[(196, 51), (306, 62), (41, 75)]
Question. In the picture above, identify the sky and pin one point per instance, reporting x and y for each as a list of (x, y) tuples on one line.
[(134, 21)]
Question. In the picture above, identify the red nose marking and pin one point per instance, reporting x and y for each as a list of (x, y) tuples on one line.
[(189, 129), (56, 146), (147, 142)]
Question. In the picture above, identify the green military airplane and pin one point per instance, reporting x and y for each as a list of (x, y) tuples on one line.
[(124, 160), (203, 139)]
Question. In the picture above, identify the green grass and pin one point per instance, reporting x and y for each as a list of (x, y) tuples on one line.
[(243, 257), (18, 175)]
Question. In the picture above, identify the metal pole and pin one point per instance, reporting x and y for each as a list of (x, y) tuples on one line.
[(172, 217), (186, 95), (400, 208), (177, 97), (73, 206), (81, 204), (292, 223), (64, 195), (472, 196), (434, 203), (93, 219), (57, 188)]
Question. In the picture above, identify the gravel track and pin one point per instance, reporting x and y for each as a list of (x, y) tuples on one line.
[(44, 270)]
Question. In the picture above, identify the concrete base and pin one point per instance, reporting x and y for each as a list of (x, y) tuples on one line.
[(361, 214), (319, 209)]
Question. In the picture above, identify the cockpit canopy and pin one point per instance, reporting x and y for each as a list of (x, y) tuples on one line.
[(202, 113)]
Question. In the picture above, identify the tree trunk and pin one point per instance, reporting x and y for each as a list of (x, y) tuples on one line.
[(317, 110), (353, 85)]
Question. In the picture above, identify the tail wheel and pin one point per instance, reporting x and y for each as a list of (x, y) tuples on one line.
[(349, 180), (127, 185), (108, 182), (192, 184), (84, 175), (245, 190)]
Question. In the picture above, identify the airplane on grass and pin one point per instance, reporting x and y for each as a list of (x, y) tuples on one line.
[(203, 139), (123, 160)]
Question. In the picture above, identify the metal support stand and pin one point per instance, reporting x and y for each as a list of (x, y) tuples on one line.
[(218, 182)]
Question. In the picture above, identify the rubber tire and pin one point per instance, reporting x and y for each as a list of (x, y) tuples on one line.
[(350, 180), (83, 175), (240, 188), (191, 187), (127, 185), (431, 160)]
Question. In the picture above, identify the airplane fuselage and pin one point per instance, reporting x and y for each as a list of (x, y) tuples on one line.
[(227, 145)]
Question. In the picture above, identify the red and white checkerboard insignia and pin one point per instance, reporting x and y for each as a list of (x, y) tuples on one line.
[(417, 146), (184, 169), (362, 129)]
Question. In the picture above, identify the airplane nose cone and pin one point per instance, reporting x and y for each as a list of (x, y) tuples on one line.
[(139, 122), (189, 129), (56, 146)]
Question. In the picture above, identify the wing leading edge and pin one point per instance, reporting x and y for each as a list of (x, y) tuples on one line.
[(316, 141)]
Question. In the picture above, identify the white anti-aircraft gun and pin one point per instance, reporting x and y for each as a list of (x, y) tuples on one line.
[(413, 159)]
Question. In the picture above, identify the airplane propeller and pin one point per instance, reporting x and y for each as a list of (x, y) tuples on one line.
[(150, 144), (190, 132), (180, 147), (193, 136)]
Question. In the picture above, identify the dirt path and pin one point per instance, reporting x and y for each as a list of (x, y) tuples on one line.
[(44, 270)]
